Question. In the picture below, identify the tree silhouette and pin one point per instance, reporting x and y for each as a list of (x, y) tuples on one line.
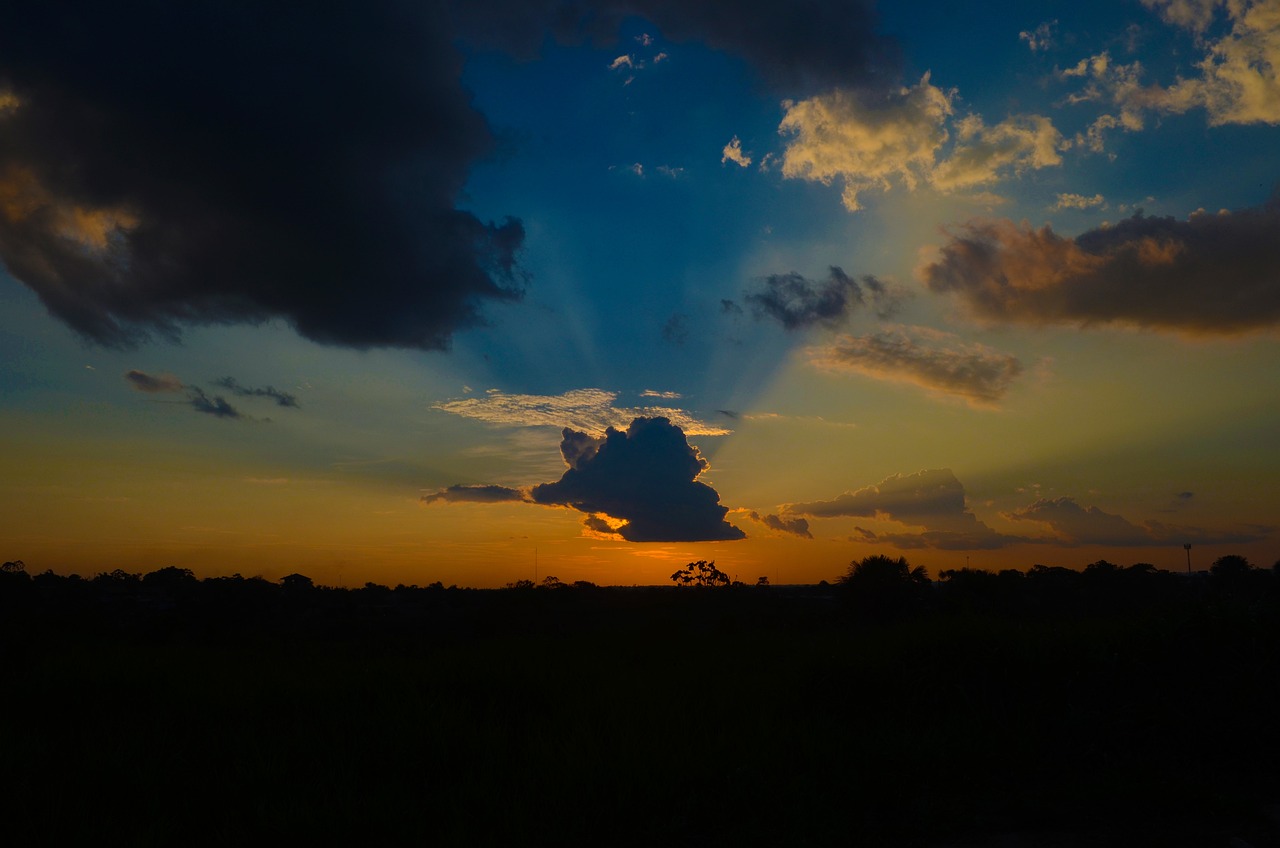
[(881, 587), (700, 573), (1231, 565)]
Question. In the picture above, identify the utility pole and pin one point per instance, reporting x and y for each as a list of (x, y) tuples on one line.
[(1188, 549)]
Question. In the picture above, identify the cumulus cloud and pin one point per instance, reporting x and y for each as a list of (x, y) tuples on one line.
[(587, 410), (277, 169), (798, 302), (782, 523), (867, 141), (1073, 524), (1210, 274), (281, 398), (153, 383), (474, 494), (733, 153), (645, 478), (933, 500), (1238, 79), (931, 359)]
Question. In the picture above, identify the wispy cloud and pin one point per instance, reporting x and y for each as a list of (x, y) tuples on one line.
[(940, 362), (474, 494), (281, 398), (933, 500)]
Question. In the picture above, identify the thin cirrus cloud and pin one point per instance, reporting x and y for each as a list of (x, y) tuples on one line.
[(868, 141), (587, 410), (1073, 524), (939, 362), (201, 401), (639, 485), (179, 188), (1212, 274), (797, 302), (932, 499)]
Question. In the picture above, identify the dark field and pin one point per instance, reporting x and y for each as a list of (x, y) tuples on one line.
[(214, 712)]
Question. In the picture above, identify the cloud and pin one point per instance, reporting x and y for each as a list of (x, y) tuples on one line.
[(153, 384), (588, 410), (1079, 201), (235, 171), (1238, 80), (1040, 38), (656, 394), (932, 499), (474, 494), (1074, 524), (870, 141), (216, 406), (645, 477), (281, 398), (783, 524), (798, 302), (865, 142), (934, 360), (1212, 274), (803, 46), (676, 330), (733, 153)]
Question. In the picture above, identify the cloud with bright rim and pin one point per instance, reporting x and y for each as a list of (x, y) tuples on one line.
[(588, 410)]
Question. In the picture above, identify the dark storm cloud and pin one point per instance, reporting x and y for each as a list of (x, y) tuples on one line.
[(933, 499), (153, 383), (195, 163), (1212, 274), (646, 477), (797, 302), (474, 494), (798, 47), (1074, 524), (233, 386), (783, 524)]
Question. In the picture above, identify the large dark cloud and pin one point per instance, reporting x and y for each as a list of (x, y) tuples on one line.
[(932, 499), (645, 476), (797, 302), (1210, 274), (172, 164), (799, 47)]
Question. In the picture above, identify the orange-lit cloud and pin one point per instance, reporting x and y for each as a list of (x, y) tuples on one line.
[(1209, 274)]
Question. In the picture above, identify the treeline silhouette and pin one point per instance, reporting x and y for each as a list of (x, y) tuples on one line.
[(1106, 706)]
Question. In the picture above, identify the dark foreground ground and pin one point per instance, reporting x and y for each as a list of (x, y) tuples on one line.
[(732, 717)]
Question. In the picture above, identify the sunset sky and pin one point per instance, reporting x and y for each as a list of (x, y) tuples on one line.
[(357, 294)]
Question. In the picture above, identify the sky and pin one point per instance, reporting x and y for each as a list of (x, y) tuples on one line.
[(502, 290)]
